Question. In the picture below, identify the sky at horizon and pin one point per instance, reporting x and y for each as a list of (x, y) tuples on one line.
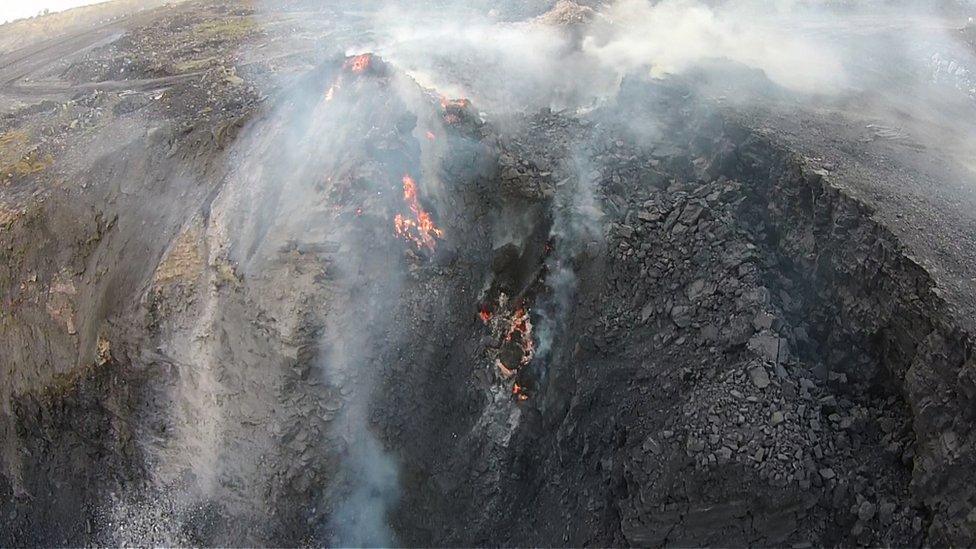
[(11, 10)]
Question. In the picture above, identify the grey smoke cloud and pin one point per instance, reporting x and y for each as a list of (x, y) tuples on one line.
[(822, 49), (547, 61), (361, 519), (672, 36), (577, 221)]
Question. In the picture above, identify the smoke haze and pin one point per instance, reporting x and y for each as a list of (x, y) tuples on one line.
[(459, 50)]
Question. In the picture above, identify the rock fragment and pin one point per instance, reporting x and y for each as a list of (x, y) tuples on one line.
[(759, 377), (866, 510), (681, 316)]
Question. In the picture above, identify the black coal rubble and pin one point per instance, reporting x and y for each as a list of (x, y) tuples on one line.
[(701, 287), (684, 264), (523, 178)]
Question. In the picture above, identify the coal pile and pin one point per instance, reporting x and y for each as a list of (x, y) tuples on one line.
[(391, 318)]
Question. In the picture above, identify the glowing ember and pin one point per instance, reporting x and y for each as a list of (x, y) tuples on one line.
[(521, 327), (359, 63), (420, 229), (519, 392), (431, 136), (485, 314), (453, 109), (460, 103), (517, 349)]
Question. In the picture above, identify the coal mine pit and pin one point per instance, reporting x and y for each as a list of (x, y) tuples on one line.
[(323, 298)]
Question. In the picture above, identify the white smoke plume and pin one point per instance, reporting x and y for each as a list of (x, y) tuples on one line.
[(577, 223), (673, 36), (361, 519)]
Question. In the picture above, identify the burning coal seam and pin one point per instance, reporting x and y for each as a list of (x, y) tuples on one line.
[(517, 347), (525, 325), (355, 65), (367, 485), (419, 228)]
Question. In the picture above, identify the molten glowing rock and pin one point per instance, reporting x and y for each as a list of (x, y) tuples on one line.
[(485, 314), (419, 229), (520, 330), (519, 393), (517, 348), (358, 64), (460, 103), (454, 109)]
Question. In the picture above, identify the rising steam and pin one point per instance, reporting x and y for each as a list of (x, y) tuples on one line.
[(361, 519), (672, 36)]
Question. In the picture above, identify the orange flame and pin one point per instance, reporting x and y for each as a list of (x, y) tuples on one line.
[(522, 324), (485, 314), (420, 230), (431, 136), (359, 63), (518, 333), (453, 109), (519, 392), (460, 103)]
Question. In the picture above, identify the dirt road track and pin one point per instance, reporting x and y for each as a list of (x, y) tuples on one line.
[(19, 68)]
